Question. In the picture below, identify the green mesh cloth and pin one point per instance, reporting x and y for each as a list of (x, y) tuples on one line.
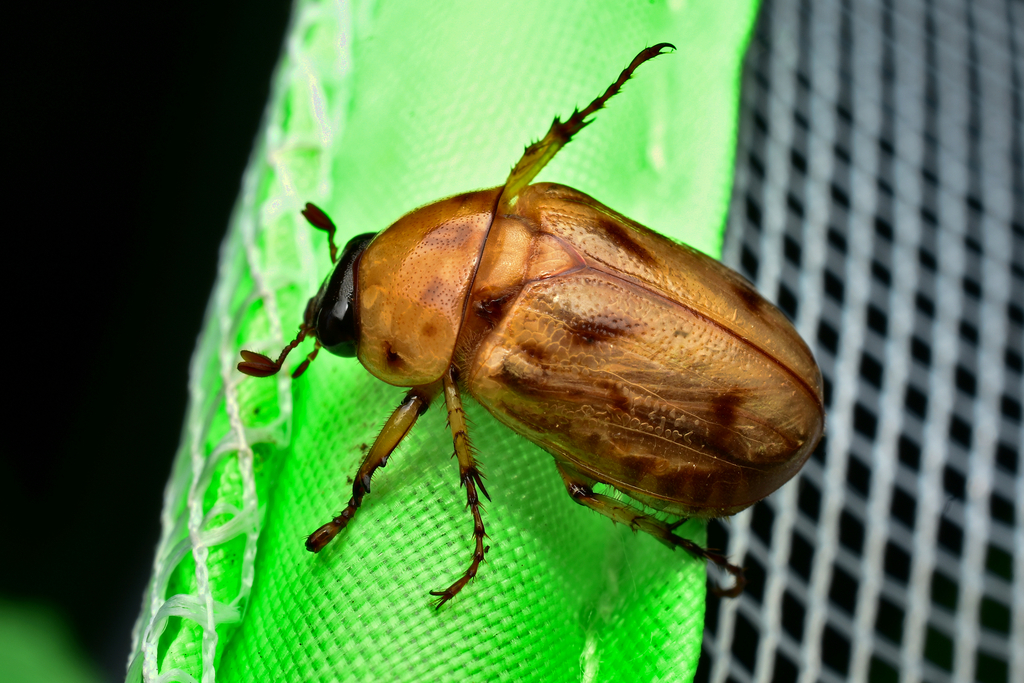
[(379, 107)]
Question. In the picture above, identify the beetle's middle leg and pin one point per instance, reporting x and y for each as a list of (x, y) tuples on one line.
[(470, 477), (398, 425), (581, 490)]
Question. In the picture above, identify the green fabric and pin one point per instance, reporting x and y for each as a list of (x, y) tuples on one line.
[(378, 108)]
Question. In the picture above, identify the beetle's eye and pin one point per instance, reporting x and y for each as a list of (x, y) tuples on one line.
[(336, 326)]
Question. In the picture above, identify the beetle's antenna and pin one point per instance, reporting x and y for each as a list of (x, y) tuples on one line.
[(257, 365), (318, 219), (540, 153)]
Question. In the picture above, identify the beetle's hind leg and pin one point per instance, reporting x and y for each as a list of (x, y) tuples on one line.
[(471, 478), (398, 425), (540, 153), (581, 490)]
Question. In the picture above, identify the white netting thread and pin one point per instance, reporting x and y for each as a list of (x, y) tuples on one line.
[(218, 350)]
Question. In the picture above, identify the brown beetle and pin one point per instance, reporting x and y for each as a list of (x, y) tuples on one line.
[(635, 361)]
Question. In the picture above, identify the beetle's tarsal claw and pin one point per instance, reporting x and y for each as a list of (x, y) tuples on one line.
[(734, 592), (442, 597), (720, 561)]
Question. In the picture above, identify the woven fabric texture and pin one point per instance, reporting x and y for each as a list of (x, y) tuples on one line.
[(379, 107), (879, 199)]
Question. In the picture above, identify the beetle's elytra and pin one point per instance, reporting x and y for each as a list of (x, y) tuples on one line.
[(635, 361)]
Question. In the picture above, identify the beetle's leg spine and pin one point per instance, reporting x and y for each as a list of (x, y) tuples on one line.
[(581, 491), (471, 478), (577, 121), (394, 430)]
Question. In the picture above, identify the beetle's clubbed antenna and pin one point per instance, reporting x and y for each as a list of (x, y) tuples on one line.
[(318, 219), (540, 153), (257, 365)]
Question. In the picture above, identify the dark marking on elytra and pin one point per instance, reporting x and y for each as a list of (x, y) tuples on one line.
[(612, 393), (622, 402), (749, 296), (592, 332), (588, 331), (492, 308), (633, 466), (623, 238), (726, 408)]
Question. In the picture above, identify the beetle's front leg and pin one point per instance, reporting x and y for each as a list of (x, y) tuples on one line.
[(470, 477), (398, 425), (581, 490)]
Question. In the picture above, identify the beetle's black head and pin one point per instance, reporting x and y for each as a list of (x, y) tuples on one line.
[(330, 315), (332, 312)]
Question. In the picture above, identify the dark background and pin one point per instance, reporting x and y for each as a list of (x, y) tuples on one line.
[(129, 127)]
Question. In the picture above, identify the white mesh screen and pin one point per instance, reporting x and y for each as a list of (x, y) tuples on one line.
[(879, 199)]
